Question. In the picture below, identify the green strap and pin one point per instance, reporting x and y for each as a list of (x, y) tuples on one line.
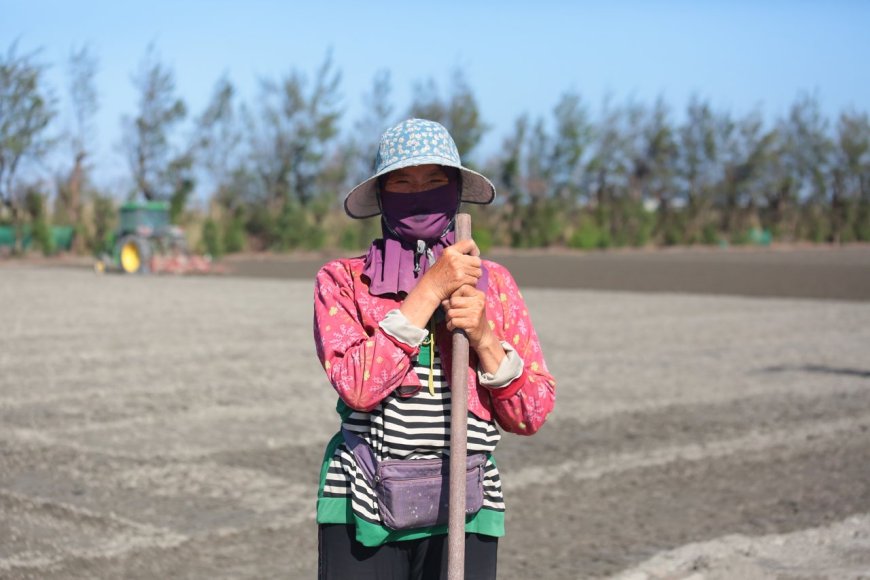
[(426, 356)]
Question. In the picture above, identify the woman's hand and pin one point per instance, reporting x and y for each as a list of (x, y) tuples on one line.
[(466, 310), (457, 266)]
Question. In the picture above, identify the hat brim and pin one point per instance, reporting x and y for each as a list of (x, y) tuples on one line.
[(362, 201)]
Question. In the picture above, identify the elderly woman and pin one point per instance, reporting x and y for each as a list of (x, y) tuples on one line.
[(382, 326)]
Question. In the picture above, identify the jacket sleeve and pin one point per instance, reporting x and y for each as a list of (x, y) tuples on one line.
[(363, 365), (524, 404)]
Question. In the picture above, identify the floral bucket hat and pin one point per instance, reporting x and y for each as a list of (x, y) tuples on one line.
[(415, 142)]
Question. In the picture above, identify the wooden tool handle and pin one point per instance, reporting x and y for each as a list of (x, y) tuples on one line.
[(458, 437)]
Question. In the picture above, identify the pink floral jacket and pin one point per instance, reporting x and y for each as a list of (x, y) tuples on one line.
[(365, 364)]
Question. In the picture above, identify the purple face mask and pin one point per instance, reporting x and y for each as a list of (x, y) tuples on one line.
[(424, 215), (415, 234)]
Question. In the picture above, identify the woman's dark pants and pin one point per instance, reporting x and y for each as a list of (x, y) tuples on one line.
[(342, 557)]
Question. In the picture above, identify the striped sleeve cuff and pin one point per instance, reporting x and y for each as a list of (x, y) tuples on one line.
[(509, 370), (397, 326)]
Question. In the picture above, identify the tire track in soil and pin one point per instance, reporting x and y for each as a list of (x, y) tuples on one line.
[(572, 529), (650, 499), (280, 552), (681, 424), (607, 522), (601, 526)]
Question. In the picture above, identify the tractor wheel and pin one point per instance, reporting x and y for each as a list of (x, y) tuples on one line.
[(134, 255)]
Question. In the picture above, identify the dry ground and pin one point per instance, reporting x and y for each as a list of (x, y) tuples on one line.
[(159, 427), (824, 272)]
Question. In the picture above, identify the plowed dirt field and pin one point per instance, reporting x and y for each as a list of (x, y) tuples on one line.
[(712, 420)]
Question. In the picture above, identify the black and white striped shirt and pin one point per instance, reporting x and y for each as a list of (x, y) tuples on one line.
[(416, 427)]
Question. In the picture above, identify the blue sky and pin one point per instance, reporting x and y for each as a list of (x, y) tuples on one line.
[(517, 56)]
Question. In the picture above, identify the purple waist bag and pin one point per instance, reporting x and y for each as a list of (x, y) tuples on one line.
[(414, 493)]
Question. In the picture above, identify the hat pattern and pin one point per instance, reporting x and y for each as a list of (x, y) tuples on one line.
[(410, 143), (416, 138)]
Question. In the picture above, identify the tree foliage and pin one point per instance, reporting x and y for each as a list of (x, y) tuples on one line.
[(458, 111), (294, 126), (26, 110), (83, 104), (218, 137), (274, 170), (154, 161)]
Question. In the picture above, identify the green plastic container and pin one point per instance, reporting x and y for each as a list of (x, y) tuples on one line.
[(7, 237), (61, 235)]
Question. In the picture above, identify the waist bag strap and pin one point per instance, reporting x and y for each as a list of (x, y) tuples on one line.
[(365, 458)]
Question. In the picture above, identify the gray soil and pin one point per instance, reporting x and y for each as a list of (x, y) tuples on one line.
[(166, 427), (819, 272)]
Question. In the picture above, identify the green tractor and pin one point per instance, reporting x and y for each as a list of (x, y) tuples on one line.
[(147, 242)]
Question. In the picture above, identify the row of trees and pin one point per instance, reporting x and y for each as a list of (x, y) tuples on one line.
[(274, 171), (635, 175)]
